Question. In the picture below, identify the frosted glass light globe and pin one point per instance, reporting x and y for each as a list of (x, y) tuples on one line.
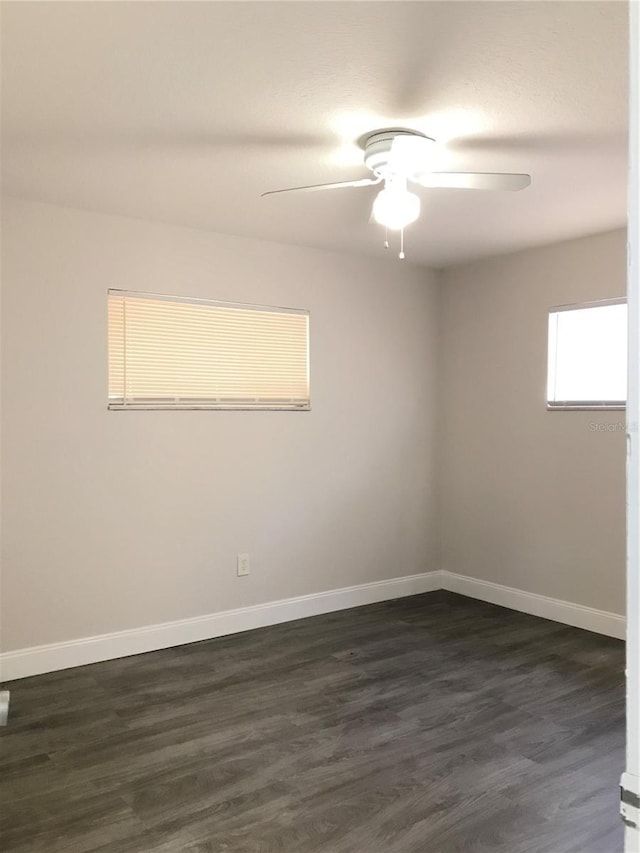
[(396, 208)]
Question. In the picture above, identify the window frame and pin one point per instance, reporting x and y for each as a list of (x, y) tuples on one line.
[(119, 404), (582, 405)]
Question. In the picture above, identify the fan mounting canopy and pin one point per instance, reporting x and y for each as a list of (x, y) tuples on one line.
[(401, 153)]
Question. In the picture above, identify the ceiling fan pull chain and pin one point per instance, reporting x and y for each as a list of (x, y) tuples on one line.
[(386, 238), (401, 253)]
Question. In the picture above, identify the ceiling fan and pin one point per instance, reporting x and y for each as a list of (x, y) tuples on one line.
[(400, 157)]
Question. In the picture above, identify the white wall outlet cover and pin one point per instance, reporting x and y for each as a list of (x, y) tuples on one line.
[(243, 565)]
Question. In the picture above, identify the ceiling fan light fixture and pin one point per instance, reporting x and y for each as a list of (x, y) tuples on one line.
[(396, 207)]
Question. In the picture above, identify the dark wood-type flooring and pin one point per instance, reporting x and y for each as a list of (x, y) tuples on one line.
[(432, 724)]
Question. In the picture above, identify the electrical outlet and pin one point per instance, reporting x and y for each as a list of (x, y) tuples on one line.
[(243, 565)]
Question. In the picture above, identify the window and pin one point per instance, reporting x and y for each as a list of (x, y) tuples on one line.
[(174, 353), (588, 356)]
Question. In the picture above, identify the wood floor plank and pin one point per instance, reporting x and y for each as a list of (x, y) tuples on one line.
[(431, 724)]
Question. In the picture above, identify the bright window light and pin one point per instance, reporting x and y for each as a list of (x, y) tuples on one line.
[(588, 356)]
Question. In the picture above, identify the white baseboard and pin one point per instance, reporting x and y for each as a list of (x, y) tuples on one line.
[(39, 659), (23, 663), (577, 615)]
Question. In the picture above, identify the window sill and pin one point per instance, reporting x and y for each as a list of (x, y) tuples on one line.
[(586, 407)]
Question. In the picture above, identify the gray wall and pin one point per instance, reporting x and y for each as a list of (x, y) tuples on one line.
[(429, 445), (531, 499), (114, 520)]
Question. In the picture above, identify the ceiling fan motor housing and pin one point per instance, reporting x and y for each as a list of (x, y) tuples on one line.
[(385, 161)]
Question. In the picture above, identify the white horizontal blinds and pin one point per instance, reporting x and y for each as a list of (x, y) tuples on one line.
[(170, 353), (116, 347)]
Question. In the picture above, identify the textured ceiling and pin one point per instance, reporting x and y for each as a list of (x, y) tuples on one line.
[(185, 112)]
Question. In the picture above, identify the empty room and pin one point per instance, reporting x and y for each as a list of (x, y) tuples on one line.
[(319, 466)]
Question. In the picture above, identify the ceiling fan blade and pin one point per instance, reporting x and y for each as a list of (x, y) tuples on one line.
[(364, 182), (475, 180)]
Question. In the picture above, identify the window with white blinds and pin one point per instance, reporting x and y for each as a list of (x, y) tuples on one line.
[(170, 352), (587, 364)]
